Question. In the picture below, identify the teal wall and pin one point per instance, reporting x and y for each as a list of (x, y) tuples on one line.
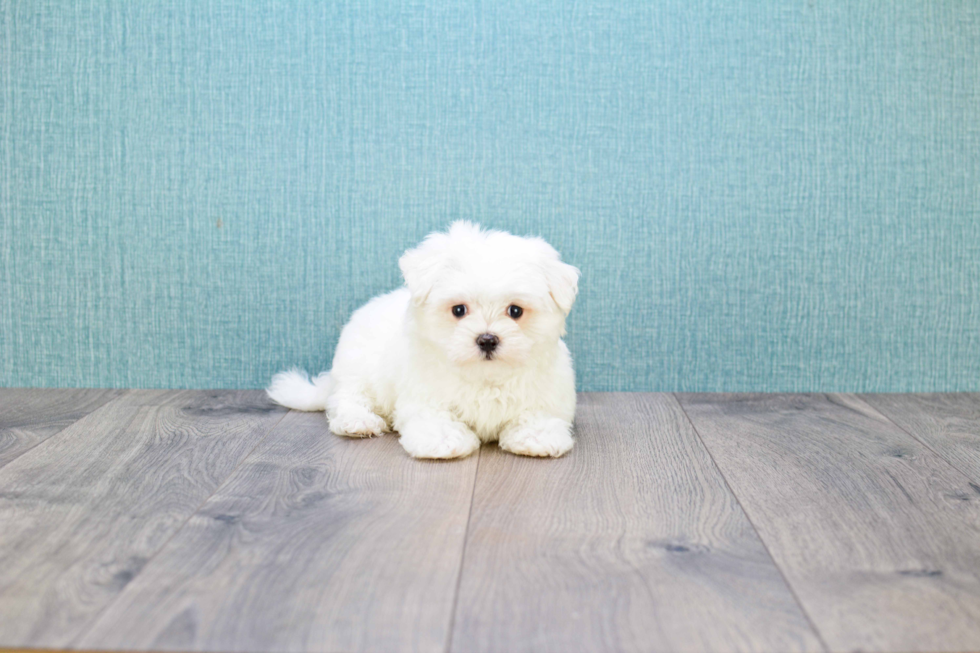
[(763, 195)]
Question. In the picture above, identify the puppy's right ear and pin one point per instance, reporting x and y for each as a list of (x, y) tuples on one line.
[(421, 267)]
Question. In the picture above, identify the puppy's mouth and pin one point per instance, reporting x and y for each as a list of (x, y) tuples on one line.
[(487, 355)]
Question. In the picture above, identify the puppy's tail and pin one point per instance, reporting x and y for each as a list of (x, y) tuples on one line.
[(294, 389)]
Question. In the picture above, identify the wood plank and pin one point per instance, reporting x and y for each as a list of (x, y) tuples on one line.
[(949, 424), (82, 512), (631, 542), (869, 526), (317, 543), (29, 416)]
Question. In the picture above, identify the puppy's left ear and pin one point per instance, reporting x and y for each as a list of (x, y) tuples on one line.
[(562, 278), (563, 284)]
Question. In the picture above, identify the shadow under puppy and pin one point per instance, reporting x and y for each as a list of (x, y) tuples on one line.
[(469, 351)]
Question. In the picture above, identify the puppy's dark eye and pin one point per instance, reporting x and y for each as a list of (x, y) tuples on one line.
[(459, 310), (515, 311)]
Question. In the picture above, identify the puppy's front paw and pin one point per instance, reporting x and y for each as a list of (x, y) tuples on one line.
[(548, 436), (357, 422), (438, 439)]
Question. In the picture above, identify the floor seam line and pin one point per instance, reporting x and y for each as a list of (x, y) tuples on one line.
[(67, 426), (180, 528), (762, 541), (462, 555), (925, 444)]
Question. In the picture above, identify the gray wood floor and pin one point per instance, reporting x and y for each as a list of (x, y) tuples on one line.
[(215, 521)]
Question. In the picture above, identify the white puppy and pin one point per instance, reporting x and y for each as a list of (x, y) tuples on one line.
[(470, 351)]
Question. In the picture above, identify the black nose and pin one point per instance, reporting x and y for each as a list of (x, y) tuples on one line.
[(487, 342)]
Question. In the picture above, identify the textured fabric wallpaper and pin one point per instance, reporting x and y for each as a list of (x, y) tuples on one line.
[(762, 195)]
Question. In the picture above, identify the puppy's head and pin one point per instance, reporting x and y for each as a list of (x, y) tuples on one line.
[(488, 297)]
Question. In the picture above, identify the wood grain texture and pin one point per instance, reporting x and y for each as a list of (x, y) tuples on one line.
[(81, 513), (878, 536), (949, 424), (29, 416), (632, 542), (317, 543)]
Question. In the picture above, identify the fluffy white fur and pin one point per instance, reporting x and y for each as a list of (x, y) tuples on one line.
[(405, 362)]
